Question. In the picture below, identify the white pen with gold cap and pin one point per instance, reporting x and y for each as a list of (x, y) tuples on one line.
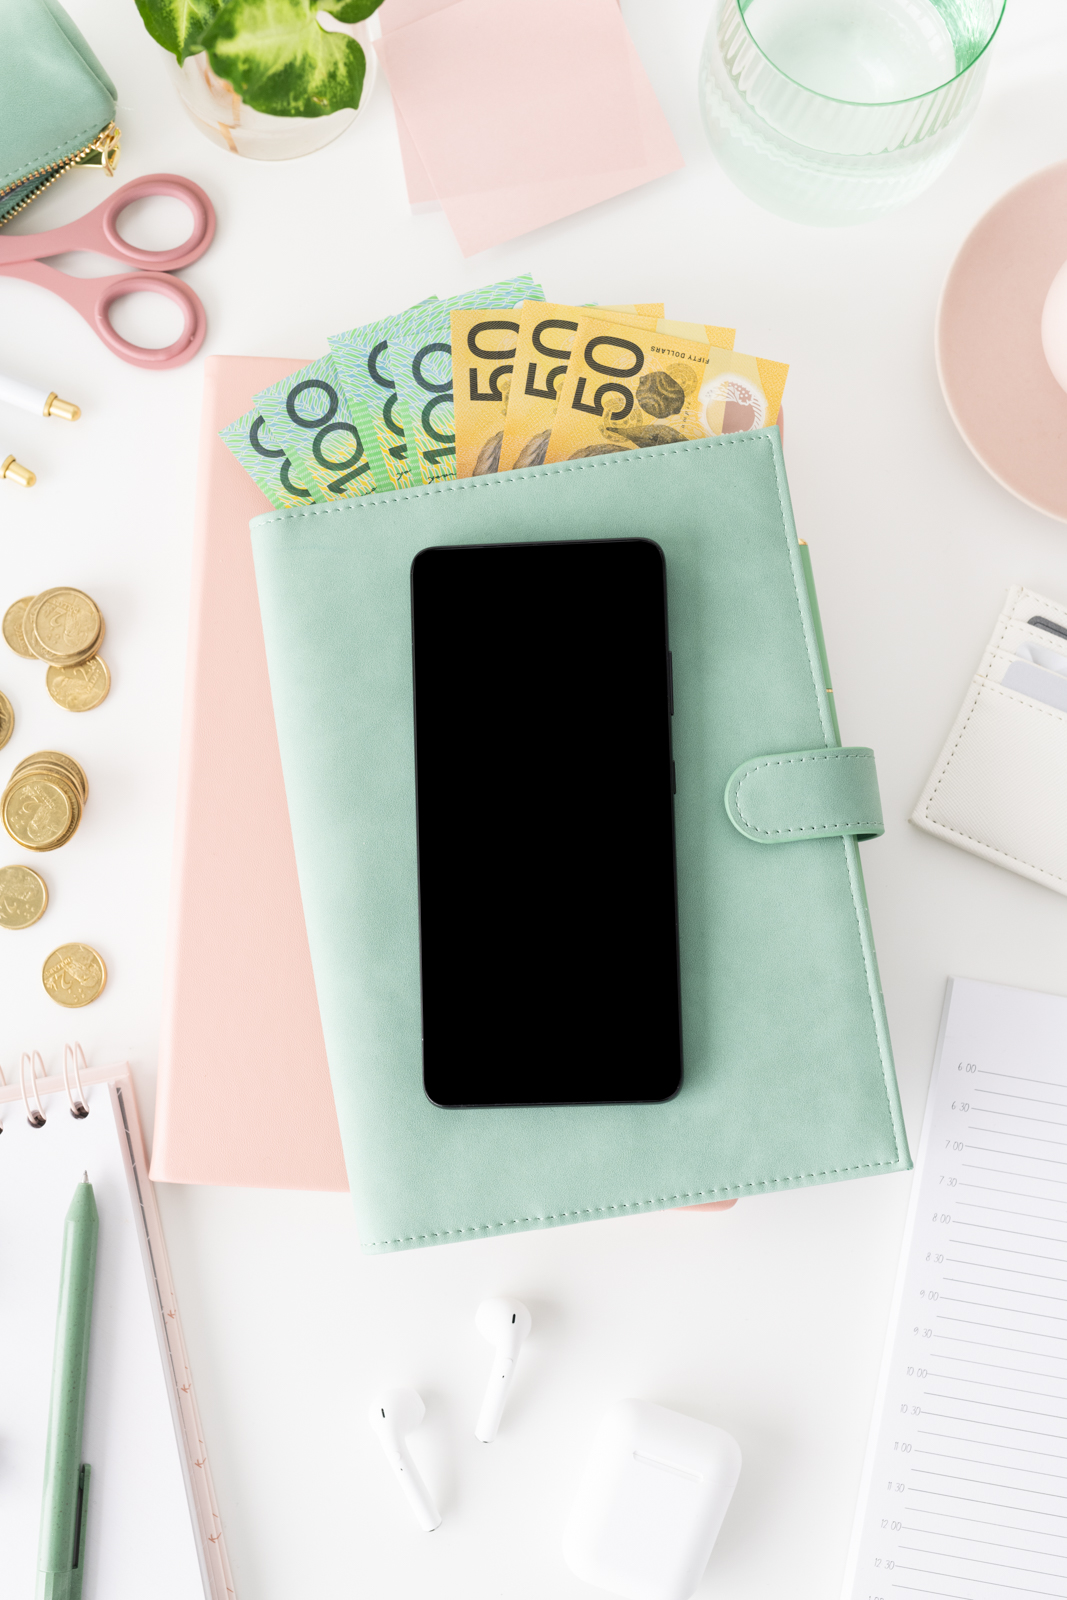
[(42, 402)]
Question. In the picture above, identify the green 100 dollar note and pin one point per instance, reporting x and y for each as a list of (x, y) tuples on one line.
[(420, 360), (330, 437), (361, 357), (265, 461)]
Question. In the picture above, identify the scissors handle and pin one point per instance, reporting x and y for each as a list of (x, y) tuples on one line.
[(97, 230), (93, 298)]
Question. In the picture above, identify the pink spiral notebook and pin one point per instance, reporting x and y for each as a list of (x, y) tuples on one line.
[(241, 1025)]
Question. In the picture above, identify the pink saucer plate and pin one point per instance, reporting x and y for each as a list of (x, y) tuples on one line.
[(996, 381)]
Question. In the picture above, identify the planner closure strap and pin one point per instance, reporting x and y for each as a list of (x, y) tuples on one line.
[(806, 794)]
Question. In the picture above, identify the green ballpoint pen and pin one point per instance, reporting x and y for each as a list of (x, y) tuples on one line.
[(61, 1558)]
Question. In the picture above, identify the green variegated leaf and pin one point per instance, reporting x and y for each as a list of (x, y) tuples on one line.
[(279, 60), (351, 10), (178, 24)]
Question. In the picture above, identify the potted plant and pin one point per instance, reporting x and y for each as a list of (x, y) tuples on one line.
[(267, 78)]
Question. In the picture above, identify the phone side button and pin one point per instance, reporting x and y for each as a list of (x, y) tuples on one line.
[(670, 682)]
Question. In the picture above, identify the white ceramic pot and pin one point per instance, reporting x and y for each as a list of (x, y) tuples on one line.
[(222, 116)]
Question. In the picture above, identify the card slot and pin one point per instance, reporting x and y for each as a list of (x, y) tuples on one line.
[(1009, 635), (996, 788), (1014, 629), (1037, 683)]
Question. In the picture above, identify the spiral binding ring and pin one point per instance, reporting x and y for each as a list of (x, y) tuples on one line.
[(74, 1060), (34, 1114)]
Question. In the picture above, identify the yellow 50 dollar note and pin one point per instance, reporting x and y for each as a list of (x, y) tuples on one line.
[(483, 360), (546, 338), (483, 356), (628, 388)]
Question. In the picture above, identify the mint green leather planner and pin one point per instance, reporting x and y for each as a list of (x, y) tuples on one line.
[(788, 1073)]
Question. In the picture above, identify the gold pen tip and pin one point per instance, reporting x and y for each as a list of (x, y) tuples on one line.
[(10, 468), (55, 407)]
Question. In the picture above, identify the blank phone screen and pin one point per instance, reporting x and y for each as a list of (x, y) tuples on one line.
[(544, 781)]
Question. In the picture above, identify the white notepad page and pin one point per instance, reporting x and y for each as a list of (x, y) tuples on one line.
[(140, 1534), (964, 1494)]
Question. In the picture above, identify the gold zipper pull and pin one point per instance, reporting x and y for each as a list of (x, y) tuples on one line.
[(104, 151)]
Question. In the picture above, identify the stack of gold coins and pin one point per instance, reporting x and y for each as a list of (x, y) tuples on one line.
[(42, 804), (65, 628)]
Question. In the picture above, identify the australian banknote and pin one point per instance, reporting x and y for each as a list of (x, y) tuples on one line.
[(483, 358), (627, 388), (328, 436), (265, 461), (420, 360), (483, 355), (361, 356), (546, 336)]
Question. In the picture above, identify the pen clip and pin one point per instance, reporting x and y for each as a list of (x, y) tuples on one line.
[(81, 1517)]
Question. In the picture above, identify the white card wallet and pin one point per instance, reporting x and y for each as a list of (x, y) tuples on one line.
[(999, 784)]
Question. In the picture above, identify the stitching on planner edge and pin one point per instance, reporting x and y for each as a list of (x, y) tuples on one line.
[(612, 463), (795, 761), (726, 1189), (859, 910)]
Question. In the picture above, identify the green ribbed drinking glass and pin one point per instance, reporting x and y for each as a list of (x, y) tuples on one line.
[(834, 111)]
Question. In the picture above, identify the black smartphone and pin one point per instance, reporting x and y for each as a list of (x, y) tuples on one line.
[(548, 917)]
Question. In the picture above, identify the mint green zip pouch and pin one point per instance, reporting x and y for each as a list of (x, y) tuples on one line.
[(57, 104), (788, 1074)]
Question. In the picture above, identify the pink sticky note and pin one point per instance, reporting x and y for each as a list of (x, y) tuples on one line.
[(482, 220), (502, 92), (392, 15), (523, 111), (398, 13), (421, 192)]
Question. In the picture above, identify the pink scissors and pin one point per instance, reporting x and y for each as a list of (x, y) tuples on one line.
[(22, 256)]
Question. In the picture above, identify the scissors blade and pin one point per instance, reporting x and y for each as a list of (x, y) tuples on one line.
[(81, 293), (21, 247)]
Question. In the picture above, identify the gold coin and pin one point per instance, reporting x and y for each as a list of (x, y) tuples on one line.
[(40, 813), (7, 720), (74, 974), (61, 771), (79, 688), (55, 761), (64, 626), (23, 897), (27, 630), (58, 788), (13, 626)]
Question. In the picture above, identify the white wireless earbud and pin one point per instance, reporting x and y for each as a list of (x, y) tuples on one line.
[(505, 1323), (393, 1415)]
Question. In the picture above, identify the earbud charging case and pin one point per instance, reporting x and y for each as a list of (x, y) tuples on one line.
[(651, 1502)]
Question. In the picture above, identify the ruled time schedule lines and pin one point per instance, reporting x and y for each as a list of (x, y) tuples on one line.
[(965, 1486)]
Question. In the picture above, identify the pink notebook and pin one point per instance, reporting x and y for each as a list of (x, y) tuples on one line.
[(244, 1093)]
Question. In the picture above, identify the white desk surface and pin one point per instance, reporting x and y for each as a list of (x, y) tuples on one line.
[(769, 1319)]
